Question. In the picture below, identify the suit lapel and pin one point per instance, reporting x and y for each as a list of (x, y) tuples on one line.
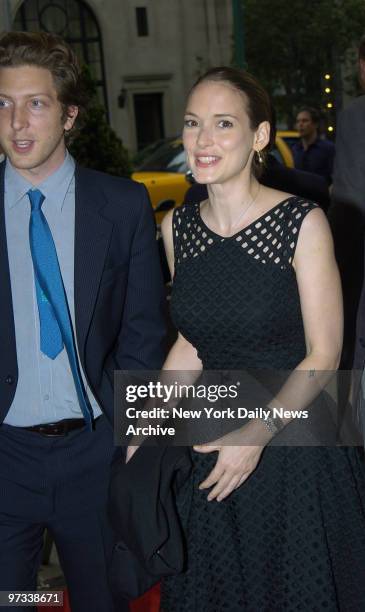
[(92, 237), (7, 330)]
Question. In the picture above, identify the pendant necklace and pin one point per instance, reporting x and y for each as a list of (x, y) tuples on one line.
[(243, 213)]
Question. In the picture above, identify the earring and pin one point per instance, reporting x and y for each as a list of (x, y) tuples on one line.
[(259, 157)]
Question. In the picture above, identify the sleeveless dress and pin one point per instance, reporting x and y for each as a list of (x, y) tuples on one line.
[(292, 537)]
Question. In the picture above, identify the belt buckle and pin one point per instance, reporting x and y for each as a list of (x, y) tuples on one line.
[(59, 431)]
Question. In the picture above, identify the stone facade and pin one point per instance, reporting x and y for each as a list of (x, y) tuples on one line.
[(184, 38)]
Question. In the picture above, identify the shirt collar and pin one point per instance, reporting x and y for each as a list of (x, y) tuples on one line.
[(313, 144), (54, 187)]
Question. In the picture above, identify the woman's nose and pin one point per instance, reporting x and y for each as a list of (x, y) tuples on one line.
[(205, 137)]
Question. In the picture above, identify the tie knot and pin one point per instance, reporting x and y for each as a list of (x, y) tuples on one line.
[(36, 198)]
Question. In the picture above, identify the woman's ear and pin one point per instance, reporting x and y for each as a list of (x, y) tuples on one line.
[(262, 136)]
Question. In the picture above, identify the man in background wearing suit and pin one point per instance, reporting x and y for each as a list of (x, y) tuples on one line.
[(347, 218), (81, 296)]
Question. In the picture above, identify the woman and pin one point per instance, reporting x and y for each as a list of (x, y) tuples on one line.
[(256, 285)]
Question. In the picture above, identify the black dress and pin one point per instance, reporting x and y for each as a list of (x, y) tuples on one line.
[(292, 537)]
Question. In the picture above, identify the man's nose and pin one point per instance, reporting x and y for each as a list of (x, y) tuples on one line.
[(19, 118)]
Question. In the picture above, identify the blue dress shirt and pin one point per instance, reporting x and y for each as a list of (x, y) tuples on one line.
[(45, 392)]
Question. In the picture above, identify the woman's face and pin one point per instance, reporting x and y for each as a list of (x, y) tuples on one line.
[(218, 139)]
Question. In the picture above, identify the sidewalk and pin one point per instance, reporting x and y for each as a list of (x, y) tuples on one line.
[(50, 577)]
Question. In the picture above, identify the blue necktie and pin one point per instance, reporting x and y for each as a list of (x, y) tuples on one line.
[(54, 316)]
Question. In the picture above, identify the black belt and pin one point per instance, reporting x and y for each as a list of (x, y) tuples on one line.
[(60, 428)]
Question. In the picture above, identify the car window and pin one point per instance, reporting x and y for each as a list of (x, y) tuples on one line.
[(178, 163), (145, 153), (169, 157)]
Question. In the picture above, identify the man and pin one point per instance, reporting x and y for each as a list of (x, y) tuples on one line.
[(347, 216), (349, 174), (81, 296), (312, 153)]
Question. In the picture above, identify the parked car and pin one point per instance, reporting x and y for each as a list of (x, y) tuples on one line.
[(164, 171), (290, 137)]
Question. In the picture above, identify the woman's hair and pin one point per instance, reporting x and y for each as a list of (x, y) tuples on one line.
[(257, 102), (51, 52)]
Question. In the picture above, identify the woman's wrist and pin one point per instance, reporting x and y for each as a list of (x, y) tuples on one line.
[(259, 433), (273, 423)]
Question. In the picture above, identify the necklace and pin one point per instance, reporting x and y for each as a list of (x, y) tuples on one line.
[(242, 214)]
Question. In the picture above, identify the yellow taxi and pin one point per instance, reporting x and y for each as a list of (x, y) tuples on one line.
[(164, 171), (289, 137)]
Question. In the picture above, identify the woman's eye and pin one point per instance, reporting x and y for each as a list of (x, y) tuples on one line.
[(225, 123), (190, 123)]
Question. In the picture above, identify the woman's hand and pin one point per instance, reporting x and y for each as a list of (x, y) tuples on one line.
[(235, 461)]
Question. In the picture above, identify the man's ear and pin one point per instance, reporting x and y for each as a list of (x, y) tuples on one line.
[(72, 112), (262, 136)]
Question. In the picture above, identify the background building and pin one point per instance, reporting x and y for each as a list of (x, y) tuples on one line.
[(143, 54)]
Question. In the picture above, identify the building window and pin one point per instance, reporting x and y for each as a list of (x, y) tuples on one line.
[(142, 21), (77, 24)]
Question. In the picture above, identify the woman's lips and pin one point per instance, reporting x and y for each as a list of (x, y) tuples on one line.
[(206, 161)]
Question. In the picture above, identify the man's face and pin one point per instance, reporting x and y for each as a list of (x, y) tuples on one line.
[(305, 125), (31, 123)]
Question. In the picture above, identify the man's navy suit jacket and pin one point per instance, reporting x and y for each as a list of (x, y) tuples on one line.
[(119, 301)]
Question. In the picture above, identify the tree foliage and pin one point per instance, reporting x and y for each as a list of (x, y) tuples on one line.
[(291, 45), (96, 145)]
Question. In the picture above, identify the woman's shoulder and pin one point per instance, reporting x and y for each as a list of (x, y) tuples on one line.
[(289, 207), (299, 206), (276, 197), (179, 218), (184, 213)]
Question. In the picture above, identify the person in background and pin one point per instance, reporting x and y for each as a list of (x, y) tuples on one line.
[(347, 218), (312, 153), (81, 296)]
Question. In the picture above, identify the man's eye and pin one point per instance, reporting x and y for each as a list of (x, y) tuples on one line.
[(3, 103), (225, 123), (36, 103)]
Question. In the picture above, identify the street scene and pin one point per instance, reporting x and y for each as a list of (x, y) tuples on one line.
[(182, 189)]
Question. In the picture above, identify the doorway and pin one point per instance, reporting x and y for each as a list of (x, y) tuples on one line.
[(148, 113)]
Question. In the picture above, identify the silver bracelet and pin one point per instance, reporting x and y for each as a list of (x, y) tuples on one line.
[(273, 424)]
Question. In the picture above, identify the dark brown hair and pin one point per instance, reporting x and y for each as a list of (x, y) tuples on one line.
[(257, 101), (312, 112), (51, 52)]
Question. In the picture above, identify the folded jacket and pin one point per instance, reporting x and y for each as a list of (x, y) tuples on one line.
[(142, 509)]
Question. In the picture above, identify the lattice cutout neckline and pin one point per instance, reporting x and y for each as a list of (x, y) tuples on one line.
[(272, 237), (264, 217)]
